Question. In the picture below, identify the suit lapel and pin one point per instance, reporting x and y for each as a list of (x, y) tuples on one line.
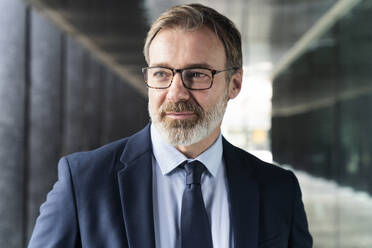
[(244, 197), (135, 185)]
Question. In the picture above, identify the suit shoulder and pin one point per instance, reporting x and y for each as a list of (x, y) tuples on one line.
[(263, 170), (271, 177), (106, 154), (106, 159)]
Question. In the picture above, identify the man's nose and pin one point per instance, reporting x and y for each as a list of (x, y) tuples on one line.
[(177, 91)]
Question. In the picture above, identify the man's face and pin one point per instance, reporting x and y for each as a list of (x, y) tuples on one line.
[(185, 116)]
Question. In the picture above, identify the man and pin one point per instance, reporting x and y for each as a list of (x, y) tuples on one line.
[(178, 182)]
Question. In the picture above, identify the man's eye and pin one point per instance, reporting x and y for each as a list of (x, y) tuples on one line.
[(196, 74), (160, 74)]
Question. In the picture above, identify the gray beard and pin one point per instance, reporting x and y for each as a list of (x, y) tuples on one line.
[(188, 136)]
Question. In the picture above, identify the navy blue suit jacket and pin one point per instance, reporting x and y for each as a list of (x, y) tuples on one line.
[(103, 198)]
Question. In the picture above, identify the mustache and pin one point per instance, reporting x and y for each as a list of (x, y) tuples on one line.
[(184, 106)]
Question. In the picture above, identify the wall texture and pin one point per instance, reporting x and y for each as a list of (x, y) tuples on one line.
[(55, 98)]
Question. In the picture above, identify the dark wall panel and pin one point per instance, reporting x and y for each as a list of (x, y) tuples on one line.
[(92, 109), (125, 111), (74, 92), (45, 111), (55, 98), (12, 120)]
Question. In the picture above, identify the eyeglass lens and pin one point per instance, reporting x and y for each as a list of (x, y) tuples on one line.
[(196, 78)]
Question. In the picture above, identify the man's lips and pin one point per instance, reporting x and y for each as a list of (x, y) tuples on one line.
[(180, 115)]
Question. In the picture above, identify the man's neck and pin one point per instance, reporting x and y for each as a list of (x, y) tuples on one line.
[(194, 150)]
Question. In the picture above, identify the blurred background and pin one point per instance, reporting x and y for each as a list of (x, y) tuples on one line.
[(70, 80)]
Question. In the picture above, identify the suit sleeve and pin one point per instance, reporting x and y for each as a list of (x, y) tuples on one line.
[(57, 224), (300, 236)]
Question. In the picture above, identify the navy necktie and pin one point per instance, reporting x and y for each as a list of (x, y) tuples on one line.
[(195, 227)]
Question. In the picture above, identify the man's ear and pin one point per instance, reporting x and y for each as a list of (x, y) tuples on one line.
[(235, 83)]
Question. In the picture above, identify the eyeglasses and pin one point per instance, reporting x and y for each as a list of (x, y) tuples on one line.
[(158, 77)]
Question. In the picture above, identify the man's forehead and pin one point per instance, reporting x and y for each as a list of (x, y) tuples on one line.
[(202, 32), (197, 47)]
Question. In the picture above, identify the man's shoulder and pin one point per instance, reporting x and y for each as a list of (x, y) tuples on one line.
[(262, 171), (272, 179), (106, 156)]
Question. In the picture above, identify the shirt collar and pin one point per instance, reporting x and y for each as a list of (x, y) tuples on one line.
[(168, 157)]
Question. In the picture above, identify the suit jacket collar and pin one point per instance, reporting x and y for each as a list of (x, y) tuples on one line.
[(244, 196), (135, 186), (135, 183)]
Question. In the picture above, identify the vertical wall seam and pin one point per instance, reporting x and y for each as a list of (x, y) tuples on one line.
[(101, 88), (26, 127), (62, 100), (85, 60)]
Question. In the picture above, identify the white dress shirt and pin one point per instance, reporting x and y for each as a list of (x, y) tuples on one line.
[(168, 187)]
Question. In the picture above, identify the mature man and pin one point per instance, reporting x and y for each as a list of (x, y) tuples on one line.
[(178, 182)]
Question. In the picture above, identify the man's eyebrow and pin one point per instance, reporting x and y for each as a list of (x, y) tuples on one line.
[(197, 65), (160, 65)]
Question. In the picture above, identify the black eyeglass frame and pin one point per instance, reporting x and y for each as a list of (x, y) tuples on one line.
[(174, 71)]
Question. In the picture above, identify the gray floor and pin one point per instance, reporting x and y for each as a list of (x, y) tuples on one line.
[(339, 217)]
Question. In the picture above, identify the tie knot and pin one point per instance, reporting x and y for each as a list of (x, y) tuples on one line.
[(194, 171)]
